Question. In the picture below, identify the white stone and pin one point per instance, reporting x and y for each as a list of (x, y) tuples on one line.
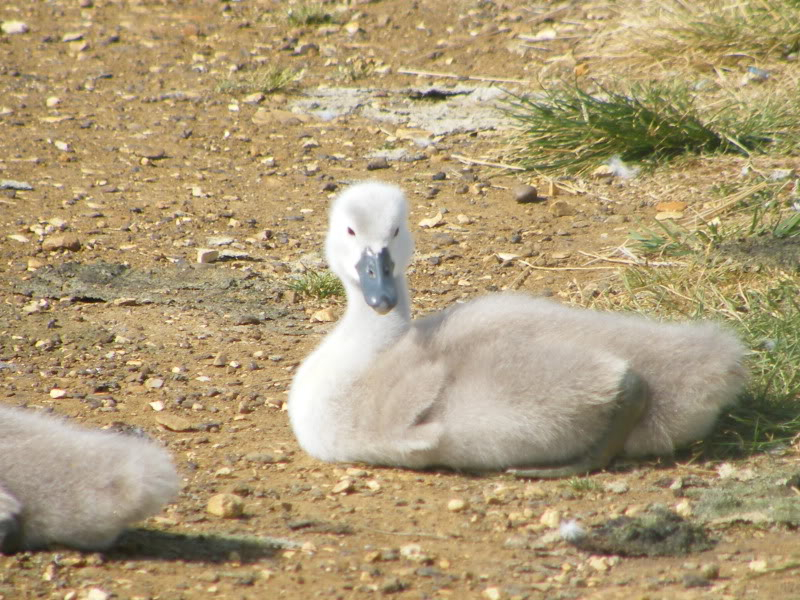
[(551, 517), (456, 505), (206, 255), (97, 594), (14, 27), (227, 506)]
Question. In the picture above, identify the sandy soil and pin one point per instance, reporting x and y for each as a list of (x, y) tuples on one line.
[(111, 112)]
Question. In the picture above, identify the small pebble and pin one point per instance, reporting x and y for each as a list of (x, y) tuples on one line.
[(173, 422), (345, 486), (603, 172), (526, 193), (14, 27), (227, 506), (72, 37), (599, 563), (324, 315), (253, 98), (551, 517), (63, 241), (414, 553), (97, 594), (377, 163), (492, 593), (434, 221), (154, 383), (207, 256), (10, 184), (150, 152), (456, 505)]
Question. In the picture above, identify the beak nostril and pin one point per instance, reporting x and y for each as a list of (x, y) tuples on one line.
[(375, 271)]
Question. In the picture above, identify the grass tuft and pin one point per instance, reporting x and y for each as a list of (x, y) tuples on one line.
[(266, 80), (582, 485), (308, 13), (319, 285), (769, 417), (571, 129)]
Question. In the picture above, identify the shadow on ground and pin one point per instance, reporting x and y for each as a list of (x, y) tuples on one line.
[(149, 544)]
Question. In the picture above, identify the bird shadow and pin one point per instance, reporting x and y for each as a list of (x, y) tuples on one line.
[(149, 544)]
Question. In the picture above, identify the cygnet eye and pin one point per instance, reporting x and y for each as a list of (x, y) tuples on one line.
[(350, 231), (396, 231)]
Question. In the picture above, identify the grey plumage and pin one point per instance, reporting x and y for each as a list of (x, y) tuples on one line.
[(61, 484), (502, 381)]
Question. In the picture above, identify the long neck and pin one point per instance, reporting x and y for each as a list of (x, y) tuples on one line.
[(374, 330), (318, 409)]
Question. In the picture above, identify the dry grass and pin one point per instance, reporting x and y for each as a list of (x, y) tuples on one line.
[(730, 29), (266, 80)]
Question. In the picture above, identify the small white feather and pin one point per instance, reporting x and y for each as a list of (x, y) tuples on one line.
[(571, 531), (620, 169)]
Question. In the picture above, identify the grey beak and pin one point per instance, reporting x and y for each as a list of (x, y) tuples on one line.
[(376, 273)]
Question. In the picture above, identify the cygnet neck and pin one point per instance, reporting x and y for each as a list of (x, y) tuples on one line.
[(377, 330)]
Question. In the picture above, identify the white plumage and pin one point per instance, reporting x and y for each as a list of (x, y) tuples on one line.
[(499, 382), (66, 485)]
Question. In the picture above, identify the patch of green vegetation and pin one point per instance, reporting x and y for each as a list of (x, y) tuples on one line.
[(308, 13), (316, 284), (582, 485), (266, 80), (569, 129), (769, 416)]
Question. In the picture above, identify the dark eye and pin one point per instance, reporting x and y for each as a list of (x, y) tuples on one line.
[(350, 231), (396, 231)]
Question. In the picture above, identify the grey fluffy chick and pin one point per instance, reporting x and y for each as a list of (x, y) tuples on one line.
[(503, 381), (61, 484)]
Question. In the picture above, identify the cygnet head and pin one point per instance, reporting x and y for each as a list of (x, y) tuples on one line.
[(368, 245)]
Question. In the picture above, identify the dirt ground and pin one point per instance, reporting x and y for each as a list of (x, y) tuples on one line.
[(112, 113)]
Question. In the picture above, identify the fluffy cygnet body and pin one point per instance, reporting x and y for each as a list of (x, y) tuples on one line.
[(66, 485), (503, 381)]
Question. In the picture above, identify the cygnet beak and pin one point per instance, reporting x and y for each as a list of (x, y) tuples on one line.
[(376, 273)]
